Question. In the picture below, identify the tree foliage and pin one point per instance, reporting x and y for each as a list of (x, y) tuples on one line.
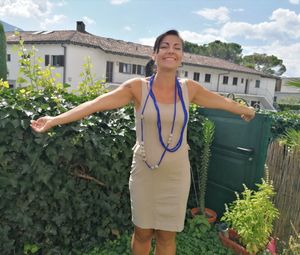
[(3, 54), (265, 63), (233, 52), (228, 51)]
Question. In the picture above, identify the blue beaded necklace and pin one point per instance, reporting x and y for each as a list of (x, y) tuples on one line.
[(158, 123)]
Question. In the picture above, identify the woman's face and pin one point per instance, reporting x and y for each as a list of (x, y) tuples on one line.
[(169, 55)]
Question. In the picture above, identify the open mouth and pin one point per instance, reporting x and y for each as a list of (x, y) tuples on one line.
[(173, 59)]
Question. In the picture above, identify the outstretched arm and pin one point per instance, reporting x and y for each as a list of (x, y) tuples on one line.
[(203, 97), (112, 100)]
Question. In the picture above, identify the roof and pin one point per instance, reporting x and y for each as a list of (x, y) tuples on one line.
[(121, 47)]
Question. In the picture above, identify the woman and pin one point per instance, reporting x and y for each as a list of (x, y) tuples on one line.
[(160, 175)]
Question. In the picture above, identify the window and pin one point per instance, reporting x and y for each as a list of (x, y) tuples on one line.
[(134, 69), (196, 76), (242, 80), (8, 58), (138, 69), (131, 68), (58, 60), (257, 83), (186, 74), (47, 60), (207, 77), (124, 68), (109, 71), (234, 81), (225, 79)]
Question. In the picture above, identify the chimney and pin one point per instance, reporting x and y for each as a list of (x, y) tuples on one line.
[(80, 27)]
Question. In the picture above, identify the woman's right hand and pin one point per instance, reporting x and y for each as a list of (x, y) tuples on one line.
[(42, 124)]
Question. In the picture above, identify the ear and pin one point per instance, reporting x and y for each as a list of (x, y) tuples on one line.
[(153, 57)]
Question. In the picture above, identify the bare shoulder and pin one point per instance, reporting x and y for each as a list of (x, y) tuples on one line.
[(192, 83), (131, 83), (134, 87), (195, 89), (192, 86)]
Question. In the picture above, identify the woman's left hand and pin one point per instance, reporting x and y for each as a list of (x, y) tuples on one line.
[(249, 114)]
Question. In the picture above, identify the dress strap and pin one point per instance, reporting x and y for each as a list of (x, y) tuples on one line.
[(144, 85), (185, 93)]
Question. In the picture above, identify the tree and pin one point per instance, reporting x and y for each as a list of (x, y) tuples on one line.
[(264, 63), (3, 64), (194, 48), (229, 51)]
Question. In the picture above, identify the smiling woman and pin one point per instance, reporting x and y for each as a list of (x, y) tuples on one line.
[(159, 180)]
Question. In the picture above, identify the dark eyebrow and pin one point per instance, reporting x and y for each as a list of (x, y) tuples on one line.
[(169, 43)]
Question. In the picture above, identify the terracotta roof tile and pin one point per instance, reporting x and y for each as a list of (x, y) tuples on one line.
[(120, 47)]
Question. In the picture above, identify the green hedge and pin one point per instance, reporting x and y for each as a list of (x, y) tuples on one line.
[(287, 107), (52, 197), (283, 121), (198, 237)]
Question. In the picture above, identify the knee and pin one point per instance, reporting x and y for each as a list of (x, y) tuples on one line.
[(143, 235), (165, 238)]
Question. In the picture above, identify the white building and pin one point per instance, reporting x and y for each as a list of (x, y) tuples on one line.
[(117, 60), (286, 93)]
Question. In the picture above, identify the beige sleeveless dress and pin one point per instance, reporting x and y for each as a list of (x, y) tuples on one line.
[(159, 196)]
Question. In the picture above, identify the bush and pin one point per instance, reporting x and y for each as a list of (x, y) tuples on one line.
[(51, 190), (198, 237), (282, 121), (288, 107)]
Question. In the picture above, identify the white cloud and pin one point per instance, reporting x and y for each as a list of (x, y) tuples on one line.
[(147, 41), (294, 1), (118, 2), (220, 14), (48, 22), (283, 26), (282, 30), (41, 11), (61, 3), (239, 10), (128, 28), (25, 8), (88, 20), (209, 35)]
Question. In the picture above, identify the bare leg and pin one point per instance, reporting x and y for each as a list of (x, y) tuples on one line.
[(165, 242), (141, 241)]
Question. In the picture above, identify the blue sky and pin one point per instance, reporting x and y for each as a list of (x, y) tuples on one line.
[(263, 26)]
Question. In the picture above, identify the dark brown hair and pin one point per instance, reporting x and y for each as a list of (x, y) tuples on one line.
[(162, 36)]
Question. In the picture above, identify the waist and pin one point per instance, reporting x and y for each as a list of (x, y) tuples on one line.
[(154, 153)]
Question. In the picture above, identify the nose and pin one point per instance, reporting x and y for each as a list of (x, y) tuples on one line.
[(170, 50)]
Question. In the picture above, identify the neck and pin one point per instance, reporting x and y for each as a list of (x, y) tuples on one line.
[(165, 79)]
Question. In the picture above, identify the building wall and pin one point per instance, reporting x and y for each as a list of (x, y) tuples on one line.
[(289, 89), (41, 51), (76, 57), (118, 77)]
